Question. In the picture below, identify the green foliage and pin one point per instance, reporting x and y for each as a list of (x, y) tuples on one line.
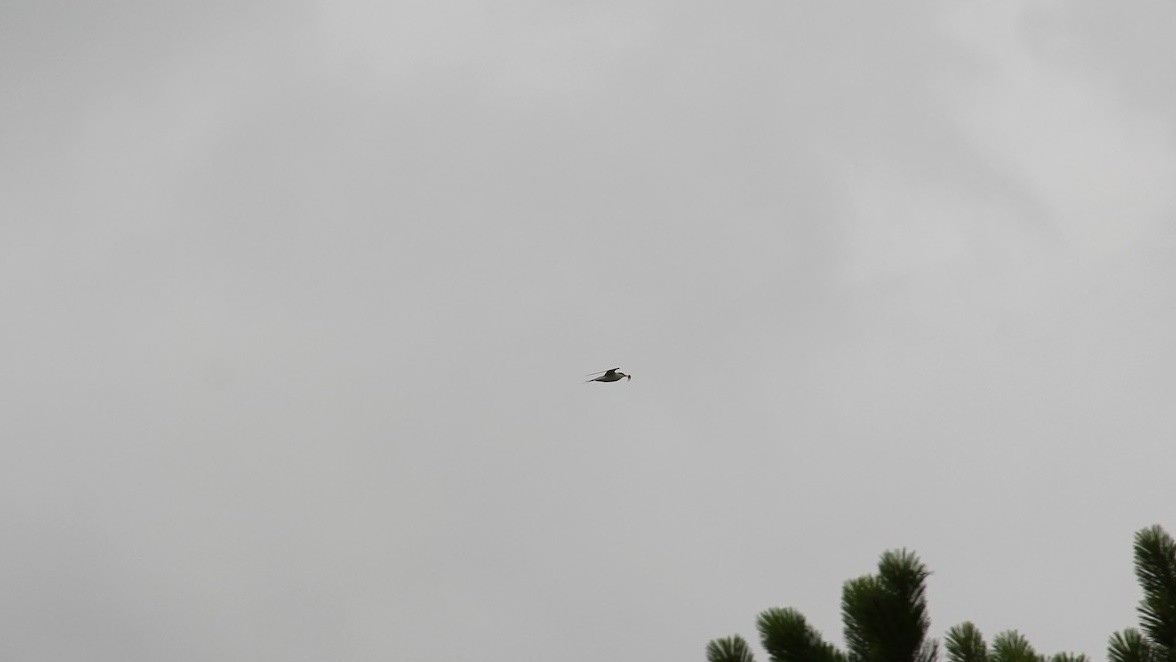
[(965, 644), (885, 619), (731, 649), (789, 638), (885, 615), (863, 612), (1130, 646), (1155, 567), (1012, 646)]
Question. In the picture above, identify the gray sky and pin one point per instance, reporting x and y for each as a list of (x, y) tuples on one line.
[(297, 299)]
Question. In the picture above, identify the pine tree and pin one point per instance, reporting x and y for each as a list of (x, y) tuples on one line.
[(1155, 568), (885, 617), (885, 620)]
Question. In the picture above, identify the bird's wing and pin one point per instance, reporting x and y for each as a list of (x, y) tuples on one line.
[(603, 372)]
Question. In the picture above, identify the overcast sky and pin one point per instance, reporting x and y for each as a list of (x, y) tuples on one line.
[(298, 298)]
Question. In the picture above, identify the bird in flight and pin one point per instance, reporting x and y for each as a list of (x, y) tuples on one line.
[(609, 376)]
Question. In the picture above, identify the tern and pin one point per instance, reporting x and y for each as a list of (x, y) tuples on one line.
[(609, 376)]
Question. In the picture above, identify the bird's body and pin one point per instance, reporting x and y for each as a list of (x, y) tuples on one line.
[(610, 376)]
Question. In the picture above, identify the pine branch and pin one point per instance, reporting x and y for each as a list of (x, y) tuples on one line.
[(1130, 646), (788, 638), (1012, 646), (1155, 567), (965, 644), (729, 649), (885, 616)]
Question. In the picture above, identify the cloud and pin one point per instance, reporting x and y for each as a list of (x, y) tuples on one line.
[(302, 297)]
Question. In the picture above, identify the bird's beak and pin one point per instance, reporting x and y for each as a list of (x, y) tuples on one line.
[(628, 377)]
